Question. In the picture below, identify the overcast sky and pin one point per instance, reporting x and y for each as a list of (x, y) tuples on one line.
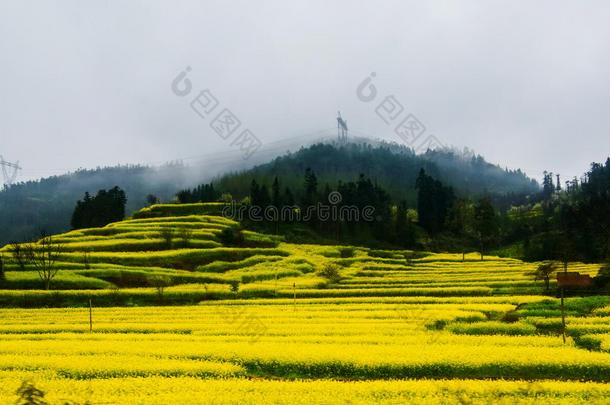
[(85, 84)]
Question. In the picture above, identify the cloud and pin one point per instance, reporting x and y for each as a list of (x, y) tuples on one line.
[(88, 84)]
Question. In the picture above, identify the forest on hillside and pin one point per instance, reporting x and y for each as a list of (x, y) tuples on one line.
[(559, 222), (391, 166), (29, 208)]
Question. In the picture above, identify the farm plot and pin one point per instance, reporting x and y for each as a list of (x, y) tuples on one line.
[(261, 320)]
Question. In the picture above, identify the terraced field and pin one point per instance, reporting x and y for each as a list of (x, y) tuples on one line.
[(258, 323)]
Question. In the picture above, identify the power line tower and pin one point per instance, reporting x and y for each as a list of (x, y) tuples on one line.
[(9, 171), (341, 128)]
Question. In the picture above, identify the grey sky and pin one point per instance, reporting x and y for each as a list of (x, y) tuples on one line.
[(84, 84)]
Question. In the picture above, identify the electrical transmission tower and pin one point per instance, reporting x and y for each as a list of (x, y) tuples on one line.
[(9, 171), (341, 128)]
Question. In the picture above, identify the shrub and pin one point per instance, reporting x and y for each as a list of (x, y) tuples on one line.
[(232, 237), (234, 286), (330, 271), (30, 395), (346, 252), (493, 328)]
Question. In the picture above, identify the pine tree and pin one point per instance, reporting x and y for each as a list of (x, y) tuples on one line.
[(255, 193), (485, 223), (276, 198)]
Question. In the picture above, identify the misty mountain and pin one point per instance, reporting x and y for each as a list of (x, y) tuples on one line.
[(30, 207), (46, 205), (394, 167)]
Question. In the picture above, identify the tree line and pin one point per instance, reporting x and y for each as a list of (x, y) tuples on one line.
[(106, 207)]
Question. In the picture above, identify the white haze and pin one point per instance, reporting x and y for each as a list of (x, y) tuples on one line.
[(87, 84)]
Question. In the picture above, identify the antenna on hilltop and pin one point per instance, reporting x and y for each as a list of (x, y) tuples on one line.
[(341, 128), (9, 171)]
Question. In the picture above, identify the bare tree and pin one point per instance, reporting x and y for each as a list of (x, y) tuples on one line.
[(44, 257), (22, 254), (160, 282)]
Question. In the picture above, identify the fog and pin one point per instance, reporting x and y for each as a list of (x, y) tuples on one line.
[(88, 84)]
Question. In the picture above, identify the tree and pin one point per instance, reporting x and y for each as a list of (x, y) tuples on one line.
[(256, 197), (276, 197), (87, 260), (485, 223), (461, 222), (232, 237), (311, 188), (288, 197), (201, 193), (2, 273), (167, 234), (44, 257), (226, 198), (544, 272), (548, 188), (404, 231), (185, 234), (21, 254), (603, 276), (330, 271), (152, 199), (264, 199), (106, 207), (434, 201), (30, 395), (234, 286), (160, 282), (276, 202), (184, 197)]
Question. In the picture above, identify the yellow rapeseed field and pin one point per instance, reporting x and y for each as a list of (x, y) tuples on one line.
[(260, 324)]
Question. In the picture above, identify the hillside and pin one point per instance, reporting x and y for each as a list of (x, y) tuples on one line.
[(28, 208), (265, 312), (130, 254), (392, 166)]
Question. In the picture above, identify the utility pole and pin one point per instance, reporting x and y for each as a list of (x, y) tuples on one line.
[(563, 310), (563, 318)]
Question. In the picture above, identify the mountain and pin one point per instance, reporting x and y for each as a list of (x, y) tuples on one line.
[(394, 167), (46, 205), (28, 208)]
